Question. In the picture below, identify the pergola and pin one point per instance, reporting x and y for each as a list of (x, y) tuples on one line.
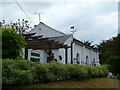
[(38, 43)]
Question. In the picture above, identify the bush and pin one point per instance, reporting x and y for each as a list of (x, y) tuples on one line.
[(114, 62), (57, 70), (17, 72), (76, 71), (118, 76), (40, 72)]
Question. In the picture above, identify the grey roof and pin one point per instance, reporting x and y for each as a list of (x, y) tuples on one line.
[(61, 39)]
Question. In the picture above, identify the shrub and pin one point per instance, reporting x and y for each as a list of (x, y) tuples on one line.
[(14, 74), (24, 64), (40, 72), (56, 71), (114, 62), (17, 72), (76, 71), (118, 76), (23, 77)]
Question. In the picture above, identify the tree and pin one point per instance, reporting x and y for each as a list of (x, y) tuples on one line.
[(89, 43), (21, 26), (109, 48), (110, 53), (12, 43)]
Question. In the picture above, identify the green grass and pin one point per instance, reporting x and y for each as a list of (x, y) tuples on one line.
[(88, 83)]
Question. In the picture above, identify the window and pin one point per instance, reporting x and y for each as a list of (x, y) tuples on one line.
[(93, 63), (35, 59), (78, 58), (35, 54), (87, 58)]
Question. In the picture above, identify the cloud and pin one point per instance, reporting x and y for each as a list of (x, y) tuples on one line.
[(94, 21)]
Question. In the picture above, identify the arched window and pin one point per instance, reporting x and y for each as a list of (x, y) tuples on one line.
[(78, 58), (87, 58), (93, 63)]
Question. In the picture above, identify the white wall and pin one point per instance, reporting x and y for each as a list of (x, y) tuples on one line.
[(87, 53), (68, 42), (62, 53), (77, 49), (43, 56), (62, 50), (56, 53), (83, 52)]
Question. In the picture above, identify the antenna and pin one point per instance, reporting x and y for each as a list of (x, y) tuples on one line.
[(39, 16)]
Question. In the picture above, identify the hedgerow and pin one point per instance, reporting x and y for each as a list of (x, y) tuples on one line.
[(18, 72)]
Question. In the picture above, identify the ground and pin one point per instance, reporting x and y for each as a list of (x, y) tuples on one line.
[(88, 83)]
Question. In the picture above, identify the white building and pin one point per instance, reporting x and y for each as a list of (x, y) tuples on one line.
[(77, 53)]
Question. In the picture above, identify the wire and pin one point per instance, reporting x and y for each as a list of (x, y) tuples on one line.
[(23, 11)]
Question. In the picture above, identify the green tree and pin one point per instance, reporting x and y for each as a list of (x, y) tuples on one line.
[(108, 48), (89, 43), (12, 43), (110, 53)]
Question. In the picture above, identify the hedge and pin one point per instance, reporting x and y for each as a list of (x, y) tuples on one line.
[(18, 72)]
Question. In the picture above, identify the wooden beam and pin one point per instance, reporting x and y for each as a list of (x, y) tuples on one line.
[(66, 55), (36, 37), (38, 40), (50, 52), (26, 53), (29, 34)]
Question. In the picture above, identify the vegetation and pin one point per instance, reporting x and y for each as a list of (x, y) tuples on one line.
[(12, 43), (21, 26), (110, 53), (18, 72)]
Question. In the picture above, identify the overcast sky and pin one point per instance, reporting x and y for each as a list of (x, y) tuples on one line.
[(94, 21)]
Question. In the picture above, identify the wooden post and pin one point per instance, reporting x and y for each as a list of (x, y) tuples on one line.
[(26, 53), (66, 55), (26, 49), (50, 52)]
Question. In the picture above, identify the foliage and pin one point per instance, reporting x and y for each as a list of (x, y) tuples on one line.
[(109, 48), (12, 43), (115, 64), (118, 76), (110, 53), (89, 43), (21, 26), (17, 72)]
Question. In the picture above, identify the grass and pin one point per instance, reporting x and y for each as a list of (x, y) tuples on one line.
[(88, 83)]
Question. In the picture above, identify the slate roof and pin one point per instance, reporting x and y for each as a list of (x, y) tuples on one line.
[(61, 39)]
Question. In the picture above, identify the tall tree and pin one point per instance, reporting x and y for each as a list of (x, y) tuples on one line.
[(12, 43), (110, 53)]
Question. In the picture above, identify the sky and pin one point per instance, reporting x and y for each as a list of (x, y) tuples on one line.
[(94, 21)]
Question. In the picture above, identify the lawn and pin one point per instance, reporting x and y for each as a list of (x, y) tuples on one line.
[(88, 83)]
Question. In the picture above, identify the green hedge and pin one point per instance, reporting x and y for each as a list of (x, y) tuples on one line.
[(17, 72)]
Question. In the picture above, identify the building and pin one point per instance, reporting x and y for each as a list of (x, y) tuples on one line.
[(77, 53)]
